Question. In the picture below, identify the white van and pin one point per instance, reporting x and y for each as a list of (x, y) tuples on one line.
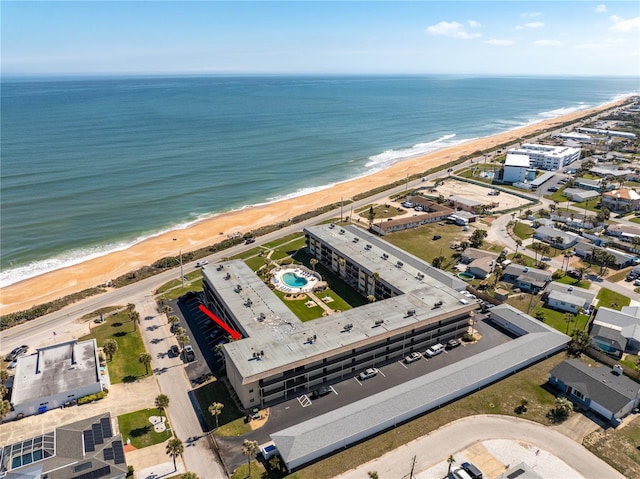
[(459, 473)]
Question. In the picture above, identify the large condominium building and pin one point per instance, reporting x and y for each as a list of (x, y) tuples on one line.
[(279, 357), (547, 157)]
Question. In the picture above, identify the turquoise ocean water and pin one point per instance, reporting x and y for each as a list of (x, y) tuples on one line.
[(91, 165)]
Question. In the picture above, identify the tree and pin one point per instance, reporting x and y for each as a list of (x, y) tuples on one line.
[(145, 358), (249, 449), (579, 342), (450, 460), (162, 402), (518, 244), (131, 307), (215, 409), (477, 238), (371, 298), (563, 407), (568, 318), (5, 408), (370, 216), (166, 309), (110, 346), (174, 449), (183, 339), (189, 475), (373, 475), (540, 315), (135, 317), (313, 263), (559, 240), (438, 261), (173, 319), (274, 463)]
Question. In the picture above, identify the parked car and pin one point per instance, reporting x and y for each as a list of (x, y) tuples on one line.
[(250, 240), (411, 358), (434, 350), (189, 353), (19, 351), (453, 343), (459, 473), (13, 364), (321, 391), (574, 274), (367, 373), (636, 282), (174, 327), (174, 351), (472, 470), (436, 237), (199, 264)]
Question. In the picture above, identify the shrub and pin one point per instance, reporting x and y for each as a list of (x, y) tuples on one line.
[(92, 397)]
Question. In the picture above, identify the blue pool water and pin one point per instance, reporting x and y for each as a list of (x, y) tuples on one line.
[(293, 280)]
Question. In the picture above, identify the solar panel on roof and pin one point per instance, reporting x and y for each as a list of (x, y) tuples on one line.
[(106, 427), (108, 454), (118, 452), (89, 445), (97, 433)]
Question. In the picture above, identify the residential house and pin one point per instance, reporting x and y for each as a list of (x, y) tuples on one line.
[(600, 389), (579, 195), (624, 232), (465, 204), (623, 199), (586, 184), (605, 172), (616, 332), (557, 238), (526, 278), (86, 449), (620, 259), (570, 299), (471, 254), (481, 267)]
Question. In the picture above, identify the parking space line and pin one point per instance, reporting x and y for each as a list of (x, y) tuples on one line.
[(403, 364), (383, 375), (332, 388), (356, 378)]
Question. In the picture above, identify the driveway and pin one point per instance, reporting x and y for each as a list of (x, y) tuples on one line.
[(506, 442)]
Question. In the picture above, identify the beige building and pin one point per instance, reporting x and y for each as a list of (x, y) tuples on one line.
[(624, 199), (279, 357)]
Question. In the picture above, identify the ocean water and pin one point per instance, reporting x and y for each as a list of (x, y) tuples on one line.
[(92, 165)]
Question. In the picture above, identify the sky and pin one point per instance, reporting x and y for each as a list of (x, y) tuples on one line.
[(577, 38)]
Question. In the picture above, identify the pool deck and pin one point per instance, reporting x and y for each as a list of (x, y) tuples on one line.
[(281, 285)]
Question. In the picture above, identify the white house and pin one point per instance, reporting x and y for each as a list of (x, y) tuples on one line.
[(55, 375), (564, 297), (557, 238), (579, 195)]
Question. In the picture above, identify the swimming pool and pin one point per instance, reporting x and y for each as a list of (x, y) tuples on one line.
[(293, 280)]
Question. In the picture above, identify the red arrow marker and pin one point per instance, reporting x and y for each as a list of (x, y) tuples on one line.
[(234, 334)]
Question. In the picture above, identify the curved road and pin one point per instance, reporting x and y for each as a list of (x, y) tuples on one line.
[(458, 435)]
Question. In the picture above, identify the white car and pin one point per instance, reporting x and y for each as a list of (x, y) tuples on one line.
[(367, 373), (413, 357), (199, 264), (434, 350)]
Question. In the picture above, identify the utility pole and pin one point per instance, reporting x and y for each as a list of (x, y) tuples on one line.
[(341, 209), (181, 272), (413, 465)]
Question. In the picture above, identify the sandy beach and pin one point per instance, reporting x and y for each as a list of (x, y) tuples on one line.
[(56, 284)]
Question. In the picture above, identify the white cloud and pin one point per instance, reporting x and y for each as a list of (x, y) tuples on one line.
[(602, 8), (591, 46), (473, 23), (625, 26), (548, 43), (452, 29), (500, 42), (530, 25), (531, 14)]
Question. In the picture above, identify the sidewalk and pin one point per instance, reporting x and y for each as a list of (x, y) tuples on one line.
[(152, 462)]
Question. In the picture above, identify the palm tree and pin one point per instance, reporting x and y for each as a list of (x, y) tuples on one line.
[(375, 276), (371, 298), (373, 475), (438, 261), (131, 307), (162, 402), (183, 339), (189, 475), (518, 244), (219, 350), (175, 448), (135, 317), (145, 358), (215, 409), (249, 449), (563, 407), (173, 319), (166, 309), (450, 461), (313, 262), (110, 346), (568, 318), (371, 215)]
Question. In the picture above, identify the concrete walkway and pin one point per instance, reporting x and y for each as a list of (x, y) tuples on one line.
[(506, 441)]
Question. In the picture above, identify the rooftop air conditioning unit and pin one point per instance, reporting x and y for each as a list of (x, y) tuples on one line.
[(617, 370), (399, 264), (379, 322), (438, 304), (341, 231), (348, 327), (332, 226), (411, 312)]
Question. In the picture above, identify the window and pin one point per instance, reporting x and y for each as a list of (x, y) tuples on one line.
[(251, 390), (578, 394), (251, 400)]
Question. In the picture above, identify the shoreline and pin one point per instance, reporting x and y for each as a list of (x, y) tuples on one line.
[(72, 279)]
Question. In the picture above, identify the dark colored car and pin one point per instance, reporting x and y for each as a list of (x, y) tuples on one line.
[(453, 343), (574, 274), (322, 391), (19, 351), (437, 237), (250, 240), (174, 351)]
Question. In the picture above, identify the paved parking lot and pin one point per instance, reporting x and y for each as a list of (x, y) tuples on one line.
[(301, 408)]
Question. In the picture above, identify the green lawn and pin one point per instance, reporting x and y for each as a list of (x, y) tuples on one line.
[(583, 283), (555, 319), (124, 367), (523, 230), (178, 291), (611, 299), (137, 427), (299, 307), (212, 392), (380, 211)]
